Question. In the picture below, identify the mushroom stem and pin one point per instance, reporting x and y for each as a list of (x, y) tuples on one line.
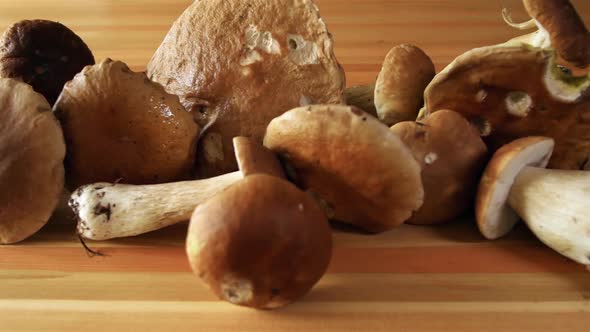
[(363, 97), (507, 16), (107, 211), (555, 206)]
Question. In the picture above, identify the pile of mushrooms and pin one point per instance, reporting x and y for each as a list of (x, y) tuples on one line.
[(251, 114)]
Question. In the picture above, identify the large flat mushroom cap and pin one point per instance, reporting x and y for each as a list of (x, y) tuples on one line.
[(494, 217), (120, 126), (360, 171), (239, 64), (32, 151), (514, 91)]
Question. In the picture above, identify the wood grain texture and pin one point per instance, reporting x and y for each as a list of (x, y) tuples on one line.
[(411, 279)]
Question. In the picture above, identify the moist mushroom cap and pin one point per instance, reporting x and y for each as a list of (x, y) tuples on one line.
[(267, 250), (32, 151), (452, 156), (510, 92), (360, 171), (120, 126), (495, 218), (44, 54), (239, 64)]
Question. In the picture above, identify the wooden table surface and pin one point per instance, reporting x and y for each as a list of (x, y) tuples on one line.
[(410, 279)]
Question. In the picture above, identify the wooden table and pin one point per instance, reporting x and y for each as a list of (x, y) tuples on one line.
[(410, 279)]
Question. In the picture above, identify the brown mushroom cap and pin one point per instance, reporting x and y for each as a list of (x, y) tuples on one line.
[(568, 33), (32, 151), (241, 64), (119, 125), (399, 91), (452, 156), (267, 250), (44, 54), (360, 171), (518, 91), (495, 217)]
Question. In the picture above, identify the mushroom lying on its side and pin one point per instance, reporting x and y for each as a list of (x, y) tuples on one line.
[(267, 250), (553, 203), (32, 151), (452, 156), (120, 126), (358, 170), (239, 64)]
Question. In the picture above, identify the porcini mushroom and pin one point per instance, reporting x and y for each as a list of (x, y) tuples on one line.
[(553, 203), (242, 63), (32, 151), (266, 251), (44, 54), (559, 26), (119, 125), (513, 91), (108, 210), (399, 91), (360, 171), (452, 156)]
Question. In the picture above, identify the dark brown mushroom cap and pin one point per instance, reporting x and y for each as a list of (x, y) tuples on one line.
[(510, 92), (32, 151), (44, 54), (495, 218), (262, 243), (452, 156), (568, 33), (360, 171), (120, 126), (239, 64)]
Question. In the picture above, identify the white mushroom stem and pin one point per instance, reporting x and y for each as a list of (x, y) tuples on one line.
[(107, 211), (556, 207)]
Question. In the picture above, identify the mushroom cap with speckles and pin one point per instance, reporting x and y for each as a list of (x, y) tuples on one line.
[(120, 126), (32, 151), (494, 217), (359, 170), (44, 54), (266, 251), (239, 64), (514, 91), (452, 156)]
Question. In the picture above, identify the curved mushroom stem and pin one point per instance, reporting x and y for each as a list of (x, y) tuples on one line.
[(507, 16), (107, 211), (556, 207)]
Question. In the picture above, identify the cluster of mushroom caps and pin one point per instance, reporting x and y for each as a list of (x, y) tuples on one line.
[(248, 135)]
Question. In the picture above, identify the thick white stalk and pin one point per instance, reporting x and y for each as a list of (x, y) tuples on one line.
[(106, 211), (556, 207)]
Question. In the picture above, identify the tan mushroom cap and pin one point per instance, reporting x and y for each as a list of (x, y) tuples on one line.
[(568, 33), (32, 151), (511, 92), (399, 91), (120, 126), (241, 64), (267, 250), (452, 156), (495, 218), (360, 171)]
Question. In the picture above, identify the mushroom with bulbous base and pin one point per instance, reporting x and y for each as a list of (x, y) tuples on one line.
[(555, 204)]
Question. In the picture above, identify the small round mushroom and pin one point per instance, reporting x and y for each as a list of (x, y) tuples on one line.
[(120, 126), (553, 203), (360, 171), (452, 156), (44, 54), (107, 211), (262, 243), (239, 64), (32, 151), (399, 91)]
